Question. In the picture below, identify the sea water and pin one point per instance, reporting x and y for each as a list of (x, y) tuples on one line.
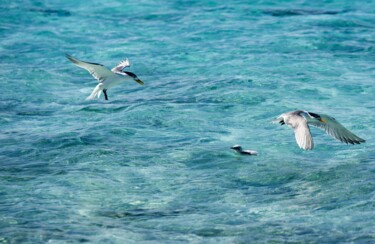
[(153, 163)]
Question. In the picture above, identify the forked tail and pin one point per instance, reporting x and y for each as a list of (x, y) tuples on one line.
[(96, 92)]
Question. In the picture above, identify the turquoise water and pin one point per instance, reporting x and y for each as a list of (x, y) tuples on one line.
[(153, 164)]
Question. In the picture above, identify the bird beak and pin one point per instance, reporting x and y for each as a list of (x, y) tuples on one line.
[(139, 81), (322, 120)]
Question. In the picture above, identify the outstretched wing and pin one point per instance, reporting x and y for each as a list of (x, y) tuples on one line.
[(336, 130), (122, 65), (302, 132), (97, 70)]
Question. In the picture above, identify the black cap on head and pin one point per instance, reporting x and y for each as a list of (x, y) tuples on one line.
[(236, 147), (317, 116), (130, 74)]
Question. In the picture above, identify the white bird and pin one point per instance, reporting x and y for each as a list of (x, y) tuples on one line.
[(300, 120), (239, 149), (106, 78)]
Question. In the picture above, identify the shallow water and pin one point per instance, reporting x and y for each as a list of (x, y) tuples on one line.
[(153, 163)]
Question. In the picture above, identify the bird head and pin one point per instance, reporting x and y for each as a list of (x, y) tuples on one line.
[(316, 116), (236, 147), (134, 76)]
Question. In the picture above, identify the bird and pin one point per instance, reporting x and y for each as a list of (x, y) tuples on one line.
[(299, 121), (239, 149), (106, 78)]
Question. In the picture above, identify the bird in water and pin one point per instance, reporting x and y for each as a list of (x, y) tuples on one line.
[(106, 78), (300, 120), (239, 149)]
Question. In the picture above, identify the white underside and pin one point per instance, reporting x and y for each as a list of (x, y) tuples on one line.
[(107, 84)]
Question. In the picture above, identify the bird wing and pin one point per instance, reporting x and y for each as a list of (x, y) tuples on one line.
[(122, 65), (98, 71), (251, 152), (336, 130), (302, 132)]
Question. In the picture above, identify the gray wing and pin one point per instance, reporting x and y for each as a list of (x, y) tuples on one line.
[(122, 65), (302, 133), (251, 152), (98, 71), (336, 130)]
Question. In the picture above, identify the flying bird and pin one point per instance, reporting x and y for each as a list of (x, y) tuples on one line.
[(300, 120), (106, 78), (239, 149)]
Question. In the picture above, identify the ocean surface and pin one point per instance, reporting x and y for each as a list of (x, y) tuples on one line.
[(153, 164)]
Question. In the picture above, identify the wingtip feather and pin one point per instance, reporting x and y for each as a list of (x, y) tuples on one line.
[(71, 58)]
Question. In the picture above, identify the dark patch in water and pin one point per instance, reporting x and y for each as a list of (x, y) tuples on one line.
[(103, 110), (209, 232), (294, 12), (144, 213), (267, 181), (83, 240), (35, 113), (52, 12), (59, 142)]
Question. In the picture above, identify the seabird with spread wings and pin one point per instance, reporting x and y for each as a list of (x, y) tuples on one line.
[(300, 120), (106, 78)]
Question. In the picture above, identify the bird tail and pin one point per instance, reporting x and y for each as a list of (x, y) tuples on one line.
[(96, 92)]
